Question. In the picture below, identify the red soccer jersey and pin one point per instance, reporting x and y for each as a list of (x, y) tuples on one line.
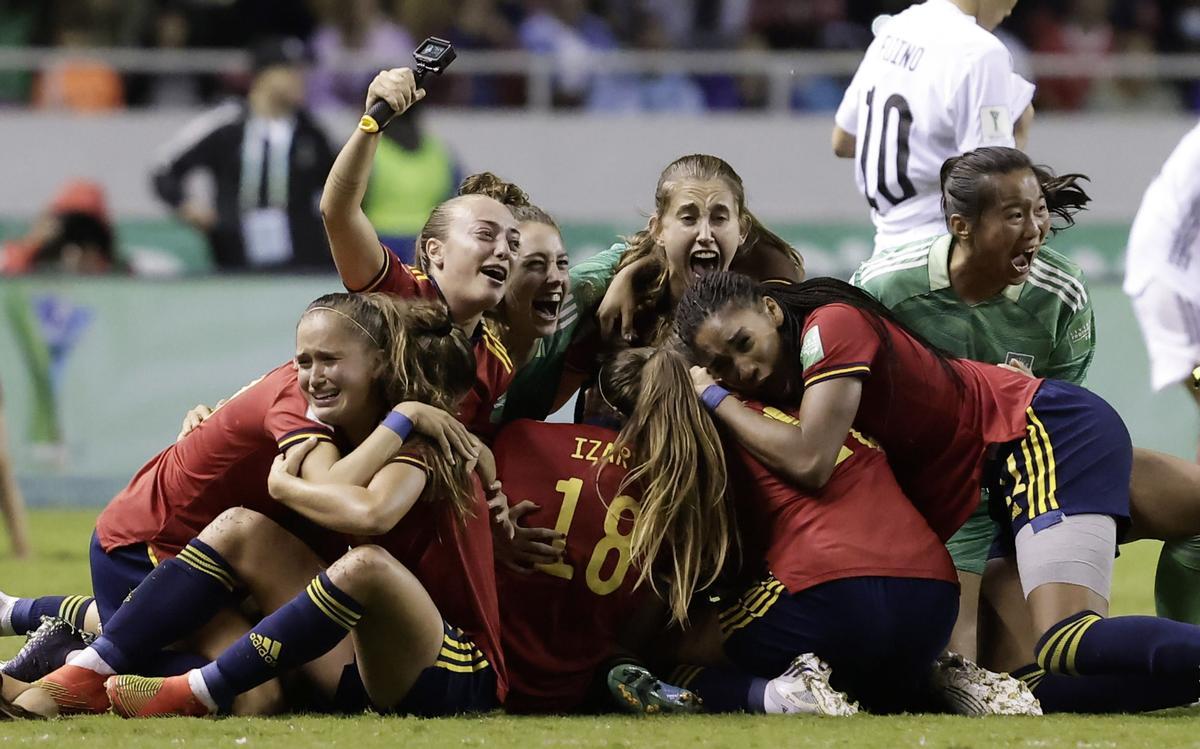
[(934, 432), (454, 561), (561, 622), (222, 463), (859, 525), (493, 367)]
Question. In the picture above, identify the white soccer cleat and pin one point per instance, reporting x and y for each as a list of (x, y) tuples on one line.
[(966, 688), (7, 603), (804, 689)]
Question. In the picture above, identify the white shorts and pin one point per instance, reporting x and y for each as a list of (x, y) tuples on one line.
[(1170, 324)]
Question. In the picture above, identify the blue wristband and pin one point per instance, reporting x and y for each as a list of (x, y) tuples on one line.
[(398, 423), (712, 396)]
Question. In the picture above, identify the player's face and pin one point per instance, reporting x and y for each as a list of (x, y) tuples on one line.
[(740, 347), (700, 230), (539, 280), (1012, 227), (336, 368), (992, 12), (472, 264)]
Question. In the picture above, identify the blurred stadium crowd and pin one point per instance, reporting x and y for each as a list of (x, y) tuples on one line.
[(570, 30)]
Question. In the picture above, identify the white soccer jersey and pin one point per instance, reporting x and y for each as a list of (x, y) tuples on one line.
[(932, 85), (1164, 242)]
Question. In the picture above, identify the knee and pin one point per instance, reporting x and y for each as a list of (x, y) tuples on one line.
[(232, 529), (363, 567)]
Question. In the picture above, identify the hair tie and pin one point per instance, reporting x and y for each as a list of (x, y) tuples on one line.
[(348, 317), (607, 402)]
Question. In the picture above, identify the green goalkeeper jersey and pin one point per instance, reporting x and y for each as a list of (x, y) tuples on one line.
[(1045, 323), (531, 393)]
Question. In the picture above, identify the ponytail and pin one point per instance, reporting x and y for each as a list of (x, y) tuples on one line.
[(685, 530)]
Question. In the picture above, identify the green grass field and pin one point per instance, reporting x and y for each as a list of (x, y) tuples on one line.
[(61, 566)]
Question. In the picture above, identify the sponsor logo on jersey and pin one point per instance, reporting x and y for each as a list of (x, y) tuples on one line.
[(1014, 359), (1082, 333), (996, 125), (811, 350)]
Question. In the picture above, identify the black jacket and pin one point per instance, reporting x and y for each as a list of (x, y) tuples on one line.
[(214, 142)]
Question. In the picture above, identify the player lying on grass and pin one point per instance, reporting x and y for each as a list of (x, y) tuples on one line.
[(432, 527), (820, 574), (334, 390), (1056, 459), (992, 291)]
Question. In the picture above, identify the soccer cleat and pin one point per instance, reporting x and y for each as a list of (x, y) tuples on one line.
[(46, 649), (75, 690), (7, 603), (966, 688), (804, 689), (148, 697), (636, 690)]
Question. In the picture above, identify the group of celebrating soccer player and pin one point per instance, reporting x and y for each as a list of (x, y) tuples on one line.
[(782, 495)]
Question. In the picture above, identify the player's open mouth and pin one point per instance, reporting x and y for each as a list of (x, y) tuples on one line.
[(703, 262), (546, 307), (1023, 262), (497, 273), (324, 398)]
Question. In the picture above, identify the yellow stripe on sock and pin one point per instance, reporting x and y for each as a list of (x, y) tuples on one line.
[(346, 611), (197, 561), (319, 598), (1076, 638)]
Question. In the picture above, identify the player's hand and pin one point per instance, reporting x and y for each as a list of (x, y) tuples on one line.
[(616, 311), (701, 379), (443, 428), (285, 469), (397, 87), (529, 546), (498, 508), (197, 416), (201, 217)]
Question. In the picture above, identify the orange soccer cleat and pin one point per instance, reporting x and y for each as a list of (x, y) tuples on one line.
[(147, 697), (75, 690)]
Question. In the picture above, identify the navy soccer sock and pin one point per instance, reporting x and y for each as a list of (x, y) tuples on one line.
[(306, 627), (1107, 694), (27, 613), (1087, 644), (177, 597), (721, 690)]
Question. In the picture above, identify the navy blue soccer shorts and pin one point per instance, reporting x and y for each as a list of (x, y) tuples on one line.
[(879, 634), (460, 681), (116, 573), (1076, 458)]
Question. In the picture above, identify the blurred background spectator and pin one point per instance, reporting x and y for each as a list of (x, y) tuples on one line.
[(414, 171), (73, 235), (267, 161), (353, 39)]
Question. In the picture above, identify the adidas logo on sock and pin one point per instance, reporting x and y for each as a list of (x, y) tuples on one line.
[(267, 648)]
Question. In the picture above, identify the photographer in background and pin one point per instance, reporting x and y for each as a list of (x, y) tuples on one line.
[(268, 160)]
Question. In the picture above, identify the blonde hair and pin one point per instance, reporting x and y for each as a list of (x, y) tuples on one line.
[(429, 360), (437, 226), (654, 287), (685, 533)]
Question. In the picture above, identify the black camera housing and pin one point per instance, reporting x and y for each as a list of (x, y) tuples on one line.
[(434, 55)]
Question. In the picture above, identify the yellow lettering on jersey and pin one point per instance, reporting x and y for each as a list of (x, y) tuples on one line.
[(594, 450)]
